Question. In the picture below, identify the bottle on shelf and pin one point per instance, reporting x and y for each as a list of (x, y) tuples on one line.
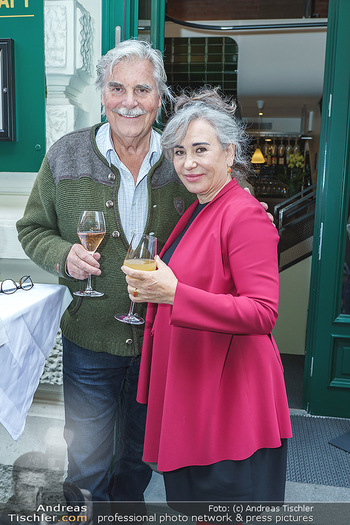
[(274, 153), (265, 149), (269, 155)]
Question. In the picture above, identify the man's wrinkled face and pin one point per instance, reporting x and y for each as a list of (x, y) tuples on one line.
[(131, 99)]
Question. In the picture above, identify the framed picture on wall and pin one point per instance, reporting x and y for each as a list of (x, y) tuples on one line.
[(7, 90)]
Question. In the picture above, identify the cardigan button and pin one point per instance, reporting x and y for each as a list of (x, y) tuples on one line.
[(115, 234), (109, 204), (129, 341), (111, 177)]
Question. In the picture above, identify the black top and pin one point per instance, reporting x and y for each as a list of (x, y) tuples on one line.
[(168, 254)]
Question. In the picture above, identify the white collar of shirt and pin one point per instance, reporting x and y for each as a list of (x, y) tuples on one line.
[(105, 145)]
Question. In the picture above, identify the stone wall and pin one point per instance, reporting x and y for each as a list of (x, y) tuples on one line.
[(52, 373)]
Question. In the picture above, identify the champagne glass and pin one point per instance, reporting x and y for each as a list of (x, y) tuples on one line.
[(289, 150), (281, 152), (296, 148), (140, 256), (91, 231)]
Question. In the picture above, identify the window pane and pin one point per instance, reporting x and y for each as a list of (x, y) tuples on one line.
[(191, 62)]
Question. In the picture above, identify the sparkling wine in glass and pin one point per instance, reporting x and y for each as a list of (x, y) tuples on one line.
[(91, 231), (140, 256)]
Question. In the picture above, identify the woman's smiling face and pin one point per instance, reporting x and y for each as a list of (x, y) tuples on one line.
[(200, 161)]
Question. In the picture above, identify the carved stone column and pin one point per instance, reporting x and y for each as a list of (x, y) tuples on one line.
[(69, 66)]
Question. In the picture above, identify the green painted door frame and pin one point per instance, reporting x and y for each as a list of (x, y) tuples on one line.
[(327, 370), (124, 14), (23, 22), (157, 23)]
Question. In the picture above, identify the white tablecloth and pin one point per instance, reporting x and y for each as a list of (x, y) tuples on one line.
[(29, 321)]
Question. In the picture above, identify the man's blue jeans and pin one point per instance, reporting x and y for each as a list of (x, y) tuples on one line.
[(100, 397)]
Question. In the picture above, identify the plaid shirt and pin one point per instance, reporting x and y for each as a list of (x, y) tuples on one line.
[(132, 199)]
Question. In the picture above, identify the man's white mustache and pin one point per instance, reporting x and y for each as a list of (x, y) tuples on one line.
[(129, 112)]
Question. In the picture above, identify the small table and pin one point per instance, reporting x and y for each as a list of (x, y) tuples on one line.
[(29, 322)]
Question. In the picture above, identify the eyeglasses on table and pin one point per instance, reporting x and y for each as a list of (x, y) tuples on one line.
[(8, 286)]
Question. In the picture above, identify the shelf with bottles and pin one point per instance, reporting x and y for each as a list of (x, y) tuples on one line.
[(286, 170)]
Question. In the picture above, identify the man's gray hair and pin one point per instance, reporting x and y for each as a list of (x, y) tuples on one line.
[(207, 104), (134, 50)]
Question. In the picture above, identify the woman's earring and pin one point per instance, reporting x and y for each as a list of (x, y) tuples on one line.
[(229, 170)]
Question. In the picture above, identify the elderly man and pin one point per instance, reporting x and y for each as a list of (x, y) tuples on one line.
[(117, 167)]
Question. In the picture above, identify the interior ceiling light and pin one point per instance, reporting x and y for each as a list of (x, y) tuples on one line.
[(258, 157)]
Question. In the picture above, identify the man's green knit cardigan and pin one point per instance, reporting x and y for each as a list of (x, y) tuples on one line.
[(74, 176)]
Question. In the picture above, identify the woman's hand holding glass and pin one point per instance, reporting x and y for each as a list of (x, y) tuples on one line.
[(140, 254), (151, 287)]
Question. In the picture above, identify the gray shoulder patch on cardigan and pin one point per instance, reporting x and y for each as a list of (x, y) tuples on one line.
[(76, 155)]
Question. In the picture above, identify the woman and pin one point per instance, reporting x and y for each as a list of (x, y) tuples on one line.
[(211, 374)]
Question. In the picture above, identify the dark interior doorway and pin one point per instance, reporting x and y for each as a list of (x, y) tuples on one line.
[(294, 376)]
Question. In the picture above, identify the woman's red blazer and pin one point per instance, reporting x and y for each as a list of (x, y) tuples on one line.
[(211, 373)]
